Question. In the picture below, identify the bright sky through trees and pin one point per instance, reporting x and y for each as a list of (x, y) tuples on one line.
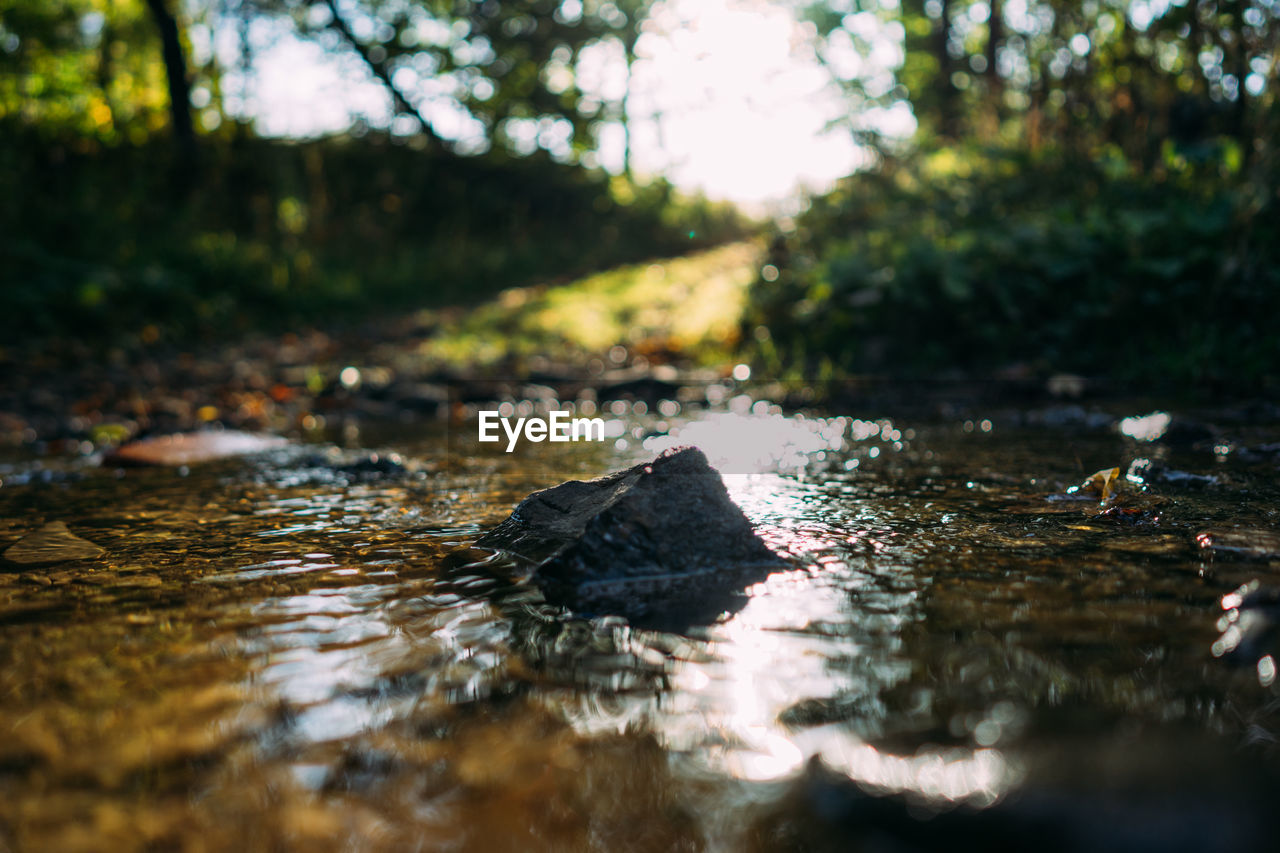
[(726, 97)]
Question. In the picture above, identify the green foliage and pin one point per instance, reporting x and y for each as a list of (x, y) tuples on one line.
[(266, 234), (970, 261), (1066, 75), (83, 67), (1092, 189), (92, 67), (107, 234)]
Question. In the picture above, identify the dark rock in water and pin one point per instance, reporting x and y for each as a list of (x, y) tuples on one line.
[(365, 466), (1151, 471), (336, 467), (661, 543)]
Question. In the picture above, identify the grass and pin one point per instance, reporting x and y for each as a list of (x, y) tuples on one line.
[(106, 247), (685, 310)]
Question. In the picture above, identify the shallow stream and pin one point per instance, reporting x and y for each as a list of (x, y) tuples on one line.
[(274, 653)]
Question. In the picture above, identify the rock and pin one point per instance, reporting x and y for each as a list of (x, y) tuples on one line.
[(190, 448), (1147, 471), (363, 465), (1249, 542), (337, 467), (1250, 624), (53, 543), (661, 543)]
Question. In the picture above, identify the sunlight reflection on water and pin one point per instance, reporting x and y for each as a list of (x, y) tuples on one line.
[(807, 635), (825, 633), (741, 443), (794, 640)]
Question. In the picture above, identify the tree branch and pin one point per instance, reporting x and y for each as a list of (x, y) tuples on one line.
[(379, 69)]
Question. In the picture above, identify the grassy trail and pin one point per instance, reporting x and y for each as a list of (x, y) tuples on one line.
[(685, 310)]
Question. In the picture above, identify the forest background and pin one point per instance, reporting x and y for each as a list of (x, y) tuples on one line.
[(1088, 188)]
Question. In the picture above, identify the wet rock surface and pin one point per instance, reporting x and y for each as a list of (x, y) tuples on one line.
[(1145, 471), (333, 466), (660, 543)]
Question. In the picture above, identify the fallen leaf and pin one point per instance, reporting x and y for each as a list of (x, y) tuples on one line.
[(1101, 483), (193, 447)]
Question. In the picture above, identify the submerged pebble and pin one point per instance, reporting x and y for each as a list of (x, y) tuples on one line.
[(53, 543)]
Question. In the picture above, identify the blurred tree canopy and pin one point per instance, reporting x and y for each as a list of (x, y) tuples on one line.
[(510, 66), (1132, 78), (507, 71)]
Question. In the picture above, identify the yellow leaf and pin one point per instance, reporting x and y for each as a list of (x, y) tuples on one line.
[(1101, 483)]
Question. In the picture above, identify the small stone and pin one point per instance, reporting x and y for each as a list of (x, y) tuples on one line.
[(1252, 624), (1255, 543), (53, 543)]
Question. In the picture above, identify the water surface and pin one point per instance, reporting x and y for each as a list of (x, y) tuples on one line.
[(272, 654)]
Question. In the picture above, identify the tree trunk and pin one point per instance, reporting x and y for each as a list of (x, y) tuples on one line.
[(175, 66), (105, 72), (1240, 111), (995, 37), (948, 94), (629, 50)]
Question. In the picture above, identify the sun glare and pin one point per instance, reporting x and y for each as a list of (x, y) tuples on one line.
[(726, 97), (729, 101)]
